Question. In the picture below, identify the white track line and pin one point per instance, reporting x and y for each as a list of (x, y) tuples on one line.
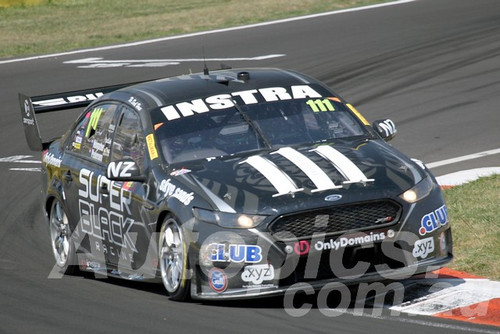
[(451, 294), (462, 158), (428, 323), (464, 176)]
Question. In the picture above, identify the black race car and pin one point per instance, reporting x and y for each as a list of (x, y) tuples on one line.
[(234, 184)]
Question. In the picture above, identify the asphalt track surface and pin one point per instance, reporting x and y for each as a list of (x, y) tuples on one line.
[(432, 66)]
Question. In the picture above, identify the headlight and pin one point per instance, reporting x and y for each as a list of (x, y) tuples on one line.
[(231, 220), (419, 191)]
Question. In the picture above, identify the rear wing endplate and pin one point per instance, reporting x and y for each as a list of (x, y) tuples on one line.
[(30, 106)]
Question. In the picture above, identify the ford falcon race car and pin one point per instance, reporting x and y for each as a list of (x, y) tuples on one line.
[(233, 184)]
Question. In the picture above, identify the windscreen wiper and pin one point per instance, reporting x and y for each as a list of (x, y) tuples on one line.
[(254, 126)]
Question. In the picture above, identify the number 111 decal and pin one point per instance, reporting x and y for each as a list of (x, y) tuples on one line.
[(320, 105)]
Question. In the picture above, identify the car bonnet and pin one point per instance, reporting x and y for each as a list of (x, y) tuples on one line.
[(301, 178)]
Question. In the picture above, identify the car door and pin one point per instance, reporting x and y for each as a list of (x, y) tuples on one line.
[(128, 213), (85, 187)]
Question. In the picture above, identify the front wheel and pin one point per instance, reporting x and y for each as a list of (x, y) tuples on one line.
[(173, 259), (60, 237)]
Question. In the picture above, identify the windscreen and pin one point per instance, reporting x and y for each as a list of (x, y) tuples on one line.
[(255, 126)]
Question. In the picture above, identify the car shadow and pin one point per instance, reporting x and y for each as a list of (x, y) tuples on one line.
[(364, 297)]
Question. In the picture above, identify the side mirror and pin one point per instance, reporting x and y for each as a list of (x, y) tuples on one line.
[(385, 128), (124, 170)]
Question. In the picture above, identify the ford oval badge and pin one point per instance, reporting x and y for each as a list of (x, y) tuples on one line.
[(333, 198)]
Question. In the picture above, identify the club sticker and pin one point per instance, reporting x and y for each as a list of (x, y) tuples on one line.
[(236, 253), (433, 220)]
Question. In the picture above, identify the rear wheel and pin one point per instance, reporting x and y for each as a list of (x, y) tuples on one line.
[(60, 237), (173, 259)]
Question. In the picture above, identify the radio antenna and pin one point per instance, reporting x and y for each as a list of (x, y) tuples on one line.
[(205, 68)]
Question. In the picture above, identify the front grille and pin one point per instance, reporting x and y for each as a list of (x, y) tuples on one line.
[(336, 220), (373, 259)]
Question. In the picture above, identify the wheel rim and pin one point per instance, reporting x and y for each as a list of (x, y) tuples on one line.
[(171, 255), (59, 234)]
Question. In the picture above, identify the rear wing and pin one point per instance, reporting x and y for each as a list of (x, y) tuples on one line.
[(31, 106)]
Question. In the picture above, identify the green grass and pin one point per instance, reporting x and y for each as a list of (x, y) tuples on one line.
[(21, 3), (474, 210), (33, 27)]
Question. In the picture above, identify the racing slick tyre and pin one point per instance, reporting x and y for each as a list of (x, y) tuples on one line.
[(60, 238), (173, 259)]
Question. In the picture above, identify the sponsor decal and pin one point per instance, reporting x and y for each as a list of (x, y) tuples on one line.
[(172, 190), (433, 220), (236, 253), (120, 168), (224, 101), (179, 172), (96, 155), (98, 146), (388, 127), (303, 247), (257, 274), (27, 109), (28, 120), (133, 101), (50, 159), (111, 226), (90, 265), (423, 247), (119, 199), (128, 185), (343, 242), (217, 280), (150, 140), (94, 120), (67, 100)]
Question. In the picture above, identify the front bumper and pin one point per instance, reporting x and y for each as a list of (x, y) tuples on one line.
[(242, 264), (270, 291), (230, 280)]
